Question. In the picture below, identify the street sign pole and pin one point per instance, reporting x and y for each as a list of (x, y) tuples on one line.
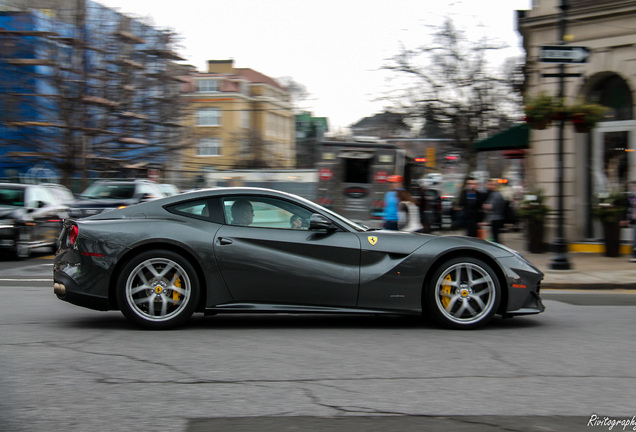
[(560, 259)]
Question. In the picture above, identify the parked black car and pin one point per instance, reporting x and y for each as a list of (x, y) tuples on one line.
[(30, 217), (105, 195)]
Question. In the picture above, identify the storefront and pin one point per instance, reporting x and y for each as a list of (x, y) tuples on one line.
[(602, 160)]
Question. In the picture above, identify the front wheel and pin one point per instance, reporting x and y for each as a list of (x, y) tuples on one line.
[(158, 290), (464, 293)]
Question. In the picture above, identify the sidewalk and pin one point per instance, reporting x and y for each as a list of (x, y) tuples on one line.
[(588, 270)]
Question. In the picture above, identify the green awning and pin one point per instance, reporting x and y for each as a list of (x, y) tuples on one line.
[(515, 138)]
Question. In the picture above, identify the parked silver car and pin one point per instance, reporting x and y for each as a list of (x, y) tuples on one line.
[(30, 217)]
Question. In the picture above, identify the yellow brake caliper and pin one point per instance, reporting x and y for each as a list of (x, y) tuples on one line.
[(446, 289), (175, 295)]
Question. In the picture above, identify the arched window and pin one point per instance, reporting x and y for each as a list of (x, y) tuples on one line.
[(613, 92)]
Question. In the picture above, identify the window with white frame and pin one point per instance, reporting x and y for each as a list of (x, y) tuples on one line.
[(209, 147), (207, 85), (209, 117)]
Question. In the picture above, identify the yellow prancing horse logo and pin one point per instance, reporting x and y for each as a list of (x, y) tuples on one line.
[(373, 240)]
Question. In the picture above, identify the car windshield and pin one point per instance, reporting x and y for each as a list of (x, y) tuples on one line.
[(11, 197), (109, 191)]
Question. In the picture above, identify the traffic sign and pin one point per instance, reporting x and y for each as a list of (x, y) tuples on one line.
[(564, 54), (381, 176), (325, 174)]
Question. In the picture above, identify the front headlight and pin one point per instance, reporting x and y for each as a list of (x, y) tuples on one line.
[(512, 251), (7, 224)]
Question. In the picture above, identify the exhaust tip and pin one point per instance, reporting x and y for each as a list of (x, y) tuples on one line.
[(59, 289)]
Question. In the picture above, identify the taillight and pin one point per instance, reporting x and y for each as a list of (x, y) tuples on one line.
[(73, 232)]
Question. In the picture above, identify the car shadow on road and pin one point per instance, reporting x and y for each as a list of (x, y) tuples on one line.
[(348, 321), (224, 322)]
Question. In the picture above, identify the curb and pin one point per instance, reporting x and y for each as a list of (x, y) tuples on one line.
[(596, 286)]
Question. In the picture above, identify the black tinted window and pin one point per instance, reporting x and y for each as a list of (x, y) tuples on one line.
[(207, 209)]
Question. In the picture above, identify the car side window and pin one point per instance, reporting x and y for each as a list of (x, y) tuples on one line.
[(12, 197), (264, 212), (199, 208)]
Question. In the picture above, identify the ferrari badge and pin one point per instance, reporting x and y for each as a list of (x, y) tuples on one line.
[(373, 240)]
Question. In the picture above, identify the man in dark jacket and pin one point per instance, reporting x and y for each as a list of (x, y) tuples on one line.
[(469, 207), (495, 208)]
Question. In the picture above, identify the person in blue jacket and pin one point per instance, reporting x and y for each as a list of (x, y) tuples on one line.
[(391, 203)]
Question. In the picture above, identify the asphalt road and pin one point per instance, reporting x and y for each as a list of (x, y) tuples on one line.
[(65, 368)]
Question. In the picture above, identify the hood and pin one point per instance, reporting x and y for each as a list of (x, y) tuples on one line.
[(461, 242)]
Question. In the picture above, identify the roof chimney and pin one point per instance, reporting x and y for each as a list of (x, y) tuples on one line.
[(221, 66)]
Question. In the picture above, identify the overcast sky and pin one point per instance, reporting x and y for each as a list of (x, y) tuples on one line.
[(335, 48)]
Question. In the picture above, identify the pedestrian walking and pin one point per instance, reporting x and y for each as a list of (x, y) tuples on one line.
[(495, 210), (391, 202), (425, 207), (408, 213), (469, 207)]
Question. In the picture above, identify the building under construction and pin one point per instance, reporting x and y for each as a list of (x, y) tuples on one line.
[(86, 92)]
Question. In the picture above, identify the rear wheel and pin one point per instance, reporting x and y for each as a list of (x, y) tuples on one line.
[(158, 290), (464, 293)]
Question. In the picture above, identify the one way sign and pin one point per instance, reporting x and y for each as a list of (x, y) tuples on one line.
[(564, 54)]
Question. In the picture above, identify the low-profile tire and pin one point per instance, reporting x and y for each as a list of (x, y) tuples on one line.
[(464, 293), (158, 290)]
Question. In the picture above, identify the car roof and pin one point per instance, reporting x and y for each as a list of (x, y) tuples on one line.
[(217, 191), (154, 205), (123, 181)]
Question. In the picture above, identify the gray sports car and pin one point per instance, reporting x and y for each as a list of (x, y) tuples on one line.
[(259, 250)]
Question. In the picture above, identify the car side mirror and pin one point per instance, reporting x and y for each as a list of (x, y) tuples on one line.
[(319, 222), (147, 197)]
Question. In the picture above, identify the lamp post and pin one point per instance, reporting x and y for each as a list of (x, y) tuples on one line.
[(560, 259)]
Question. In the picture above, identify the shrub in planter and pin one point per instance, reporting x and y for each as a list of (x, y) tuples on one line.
[(534, 211), (541, 110)]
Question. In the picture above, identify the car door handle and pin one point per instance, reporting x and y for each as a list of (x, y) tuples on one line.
[(225, 241)]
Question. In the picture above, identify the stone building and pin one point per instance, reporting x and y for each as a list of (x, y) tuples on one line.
[(603, 160)]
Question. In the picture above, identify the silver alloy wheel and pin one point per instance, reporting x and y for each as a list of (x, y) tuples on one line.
[(465, 293), (158, 289)]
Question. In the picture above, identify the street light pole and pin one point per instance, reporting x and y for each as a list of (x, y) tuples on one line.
[(560, 259)]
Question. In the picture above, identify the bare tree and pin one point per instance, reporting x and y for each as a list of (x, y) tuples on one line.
[(298, 92), (455, 87), (255, 150), (96, 94)]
